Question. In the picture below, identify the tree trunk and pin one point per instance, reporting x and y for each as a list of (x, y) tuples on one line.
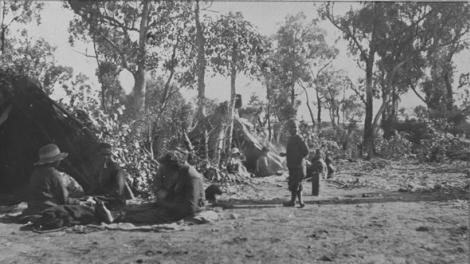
[(219, 145), (268, 108), (268, 116), (331, 111), (201, 70), (292, 96), (136, 102), (233, 76), (337, 115), (318, 109), (368, 129), (201, 63), (3, 40), (100, 78), (450, 93), (394, 107), (307, 101), (386, 126)]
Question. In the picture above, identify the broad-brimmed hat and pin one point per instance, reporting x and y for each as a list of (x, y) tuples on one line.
[(235, 151), (50, 153)]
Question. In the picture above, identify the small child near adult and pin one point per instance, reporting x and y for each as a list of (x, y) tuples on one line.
[(314, 170), (329, 165)]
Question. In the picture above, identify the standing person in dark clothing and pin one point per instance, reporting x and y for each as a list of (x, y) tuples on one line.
[(296, 151), (112, 179)]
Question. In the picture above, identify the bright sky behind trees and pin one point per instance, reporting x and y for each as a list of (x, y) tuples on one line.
[(266, 16)]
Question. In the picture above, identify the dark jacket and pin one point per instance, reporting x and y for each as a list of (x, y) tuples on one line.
[(296, 151), (187, 194), (112, 181), (47, 189)]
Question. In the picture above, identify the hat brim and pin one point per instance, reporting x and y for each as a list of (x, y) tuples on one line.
[(58, 157)]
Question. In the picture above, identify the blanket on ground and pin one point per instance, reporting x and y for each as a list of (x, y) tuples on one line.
[(11, 214)]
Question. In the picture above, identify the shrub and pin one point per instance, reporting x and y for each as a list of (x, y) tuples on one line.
[(439, 146), (128, 149), (394, 148)]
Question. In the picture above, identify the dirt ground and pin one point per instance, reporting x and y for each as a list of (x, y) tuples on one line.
[(397, 212)]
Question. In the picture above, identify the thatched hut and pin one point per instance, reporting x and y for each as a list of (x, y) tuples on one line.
[(30, 119)]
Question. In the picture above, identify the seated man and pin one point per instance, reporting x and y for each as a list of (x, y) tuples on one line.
[(262, 164), (49, 194), (179, 192), (235, 163), (47, 187), (182, 193), (112, 179)]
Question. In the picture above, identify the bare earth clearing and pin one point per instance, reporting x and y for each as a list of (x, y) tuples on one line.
[(361, 217)]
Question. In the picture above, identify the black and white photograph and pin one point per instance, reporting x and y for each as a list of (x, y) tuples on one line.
[(218, 131)]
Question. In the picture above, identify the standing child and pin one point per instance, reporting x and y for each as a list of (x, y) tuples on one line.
[(314, 170), (329, 166), (296, 151)]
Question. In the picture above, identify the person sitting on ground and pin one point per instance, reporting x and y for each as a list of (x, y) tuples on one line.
[(329, 165), (48, 192), (235, 164), (262, 164), (296, 151), (180, 192), (112, 179), (183, 193), (47, 187), (314, 170)]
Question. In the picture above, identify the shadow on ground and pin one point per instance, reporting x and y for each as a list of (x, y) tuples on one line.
[(375, 197)]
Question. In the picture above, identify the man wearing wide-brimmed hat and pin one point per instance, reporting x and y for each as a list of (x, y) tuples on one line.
[(46, 186), (48, 191)]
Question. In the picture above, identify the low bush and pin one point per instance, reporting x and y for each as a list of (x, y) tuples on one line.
[(396, 147)]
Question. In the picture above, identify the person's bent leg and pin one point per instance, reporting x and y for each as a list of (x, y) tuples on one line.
[(301, 202), (299, 195), (102, 213)]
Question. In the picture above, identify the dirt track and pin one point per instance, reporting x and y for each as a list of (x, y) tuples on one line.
[(374, 228)]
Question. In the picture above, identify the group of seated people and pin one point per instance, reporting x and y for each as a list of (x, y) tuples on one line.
[(180, 192), (262, 169)]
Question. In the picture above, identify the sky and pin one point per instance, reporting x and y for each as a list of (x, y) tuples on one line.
[(266, 16)]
